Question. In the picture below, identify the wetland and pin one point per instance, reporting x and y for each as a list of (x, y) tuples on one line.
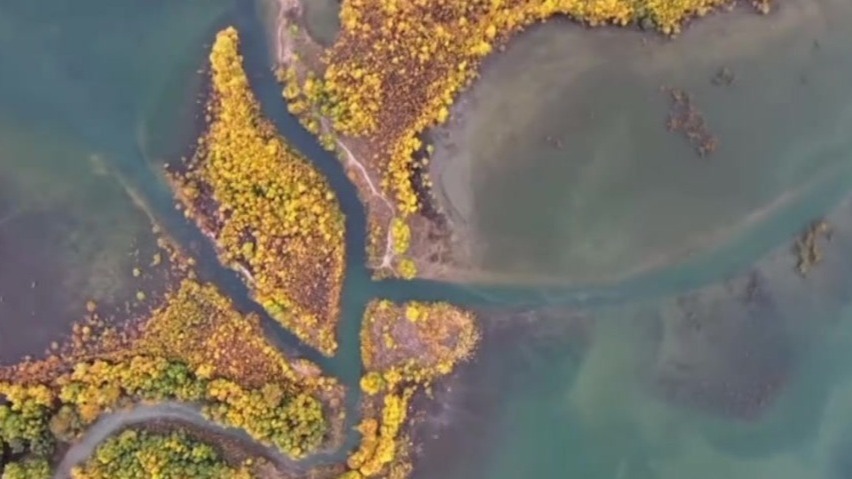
[(641, 310)]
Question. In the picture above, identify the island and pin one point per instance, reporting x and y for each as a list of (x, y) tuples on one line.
[(136, 454), (393, 73), (192, 387), (272, 216)]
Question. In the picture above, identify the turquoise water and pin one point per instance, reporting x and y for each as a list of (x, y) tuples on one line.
[(323, 20), (668, 374)]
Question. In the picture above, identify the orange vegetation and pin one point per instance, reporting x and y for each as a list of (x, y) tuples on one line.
[(272, 215)]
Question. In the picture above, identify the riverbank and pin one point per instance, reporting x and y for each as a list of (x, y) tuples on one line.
[(604, 193), (298, 60)]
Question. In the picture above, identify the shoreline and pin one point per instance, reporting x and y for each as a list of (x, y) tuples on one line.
[(296, 50), (704, 246), (739, 23), (428, 248)]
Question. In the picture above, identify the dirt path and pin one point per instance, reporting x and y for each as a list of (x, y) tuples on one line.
[(351, 160), (284, 50), (285, 55)]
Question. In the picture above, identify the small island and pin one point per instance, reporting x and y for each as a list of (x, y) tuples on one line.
[(195, 350), (272, 216), (404, 349), (807, 248), (393, 73)]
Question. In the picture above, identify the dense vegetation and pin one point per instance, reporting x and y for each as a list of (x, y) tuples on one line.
[(404, 348), (25, 434), (193, 349), (143, 454), (39, 416), (198, 325), (32, 468), (272, 215), (397, 66)]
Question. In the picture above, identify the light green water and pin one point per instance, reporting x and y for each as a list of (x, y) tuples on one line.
[(672, 375)]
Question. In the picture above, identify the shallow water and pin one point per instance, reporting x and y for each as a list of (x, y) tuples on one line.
[(612, 193), (670, 374)]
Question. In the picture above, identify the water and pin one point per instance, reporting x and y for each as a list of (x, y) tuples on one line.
[(649, 364), (622, 195)]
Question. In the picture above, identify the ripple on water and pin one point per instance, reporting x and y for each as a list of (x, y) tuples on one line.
[(734, 379)]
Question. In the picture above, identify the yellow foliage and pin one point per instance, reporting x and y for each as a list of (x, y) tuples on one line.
[(196, 349), (416, 341), (400, 235), (198, 325), (407, 268), (397, 65), (379, 438), (273, 216), (372, 383), (404, 348)]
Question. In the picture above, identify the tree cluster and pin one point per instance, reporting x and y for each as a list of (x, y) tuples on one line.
[(38, 415), (273, 216), (142, 454), (416, 341)]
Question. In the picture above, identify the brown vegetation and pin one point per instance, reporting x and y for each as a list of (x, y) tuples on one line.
[(194, 348)]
